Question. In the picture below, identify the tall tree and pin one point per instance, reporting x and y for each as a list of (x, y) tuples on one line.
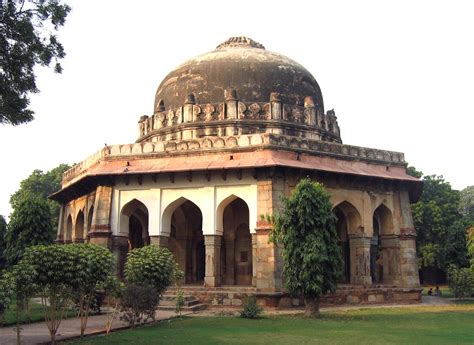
[(30, 224), (441, 229), (3, 231), (467, 204), (306, 229), (27, 39), (39, 185)]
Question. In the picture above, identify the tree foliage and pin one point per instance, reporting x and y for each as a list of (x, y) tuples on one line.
[(467, 204), (63, 272), (27, 39), (93, 266), (39, 185), (30, 224), (306, 229), (3, 232), (151, 266), (441, 228)]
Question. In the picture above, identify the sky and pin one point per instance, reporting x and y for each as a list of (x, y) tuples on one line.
[(399, 74)]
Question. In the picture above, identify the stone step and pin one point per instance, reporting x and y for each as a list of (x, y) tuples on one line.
[(193, 308), (172, 297), (172, 302)]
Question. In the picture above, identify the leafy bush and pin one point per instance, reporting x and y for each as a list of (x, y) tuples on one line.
[(7, 289), (251, 309), (151, 266), (138, 304), (461, 281)]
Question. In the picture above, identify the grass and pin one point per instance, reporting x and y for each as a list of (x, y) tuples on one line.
[(414, 325), (445, 291), (36, 314)]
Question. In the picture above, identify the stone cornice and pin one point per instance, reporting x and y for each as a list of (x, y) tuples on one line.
[(236, 144)]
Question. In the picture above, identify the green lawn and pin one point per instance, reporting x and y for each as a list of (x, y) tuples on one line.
[(445, 291), (416, 325), (36, 314)]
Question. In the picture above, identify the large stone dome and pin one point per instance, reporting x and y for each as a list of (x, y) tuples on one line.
[(238, 89), (243, 65)]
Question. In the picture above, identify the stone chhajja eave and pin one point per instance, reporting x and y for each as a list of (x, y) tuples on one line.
[(248, 151)]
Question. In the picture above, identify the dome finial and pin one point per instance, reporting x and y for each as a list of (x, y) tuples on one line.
[(240, 42)]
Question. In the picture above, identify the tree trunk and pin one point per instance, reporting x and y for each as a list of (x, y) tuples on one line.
[(311, 306)]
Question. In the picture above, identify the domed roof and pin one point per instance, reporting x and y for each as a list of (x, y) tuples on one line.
[(243, 65)]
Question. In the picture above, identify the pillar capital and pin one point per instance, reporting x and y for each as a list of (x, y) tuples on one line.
[(212, 240), (160, 241)]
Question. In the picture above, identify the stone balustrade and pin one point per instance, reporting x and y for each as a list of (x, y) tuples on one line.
[(269, 140), (236, 117)]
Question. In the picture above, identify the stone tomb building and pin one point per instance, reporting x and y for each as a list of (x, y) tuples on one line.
[(231, 132)]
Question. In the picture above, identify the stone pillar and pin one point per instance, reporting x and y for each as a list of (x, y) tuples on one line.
[(231, 105), (254, 259), (408, 264), (409, 267), (100, 231), (120, 250), (360, 260), (60, 233), (310, 111), (213, 259), (160, 241), (390, 249), (229, 278), (276, 107)]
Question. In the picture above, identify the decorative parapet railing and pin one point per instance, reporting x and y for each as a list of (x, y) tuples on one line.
[(266, 140), (233, 114)]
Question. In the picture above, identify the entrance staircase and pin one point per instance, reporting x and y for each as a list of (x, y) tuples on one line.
[(191, 303)]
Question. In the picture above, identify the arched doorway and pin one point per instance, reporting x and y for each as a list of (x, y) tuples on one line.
[(236, 251), (79, 228), (68, 229), (341, 227), (348, 223), (384, 258), (186, 240), (133, 231)]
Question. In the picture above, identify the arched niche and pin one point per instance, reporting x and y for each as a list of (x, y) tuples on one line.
[(134, 223), (236, 250), (383, 258), (68, 237), (79, 227), (186, 240)]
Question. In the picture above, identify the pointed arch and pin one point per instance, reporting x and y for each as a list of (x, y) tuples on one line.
[(136, 208), (168, 213), (236, 250), (69, 229), (220, 211), (182, 222), (352, 216), (79, 227), (384, 217)]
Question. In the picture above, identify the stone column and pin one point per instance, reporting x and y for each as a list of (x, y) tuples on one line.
[(100, 231), (360, 260), (254, 259), (120, 250), (213, 256), (409, 266), (390, 248), (60, 233), (160, 241)]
